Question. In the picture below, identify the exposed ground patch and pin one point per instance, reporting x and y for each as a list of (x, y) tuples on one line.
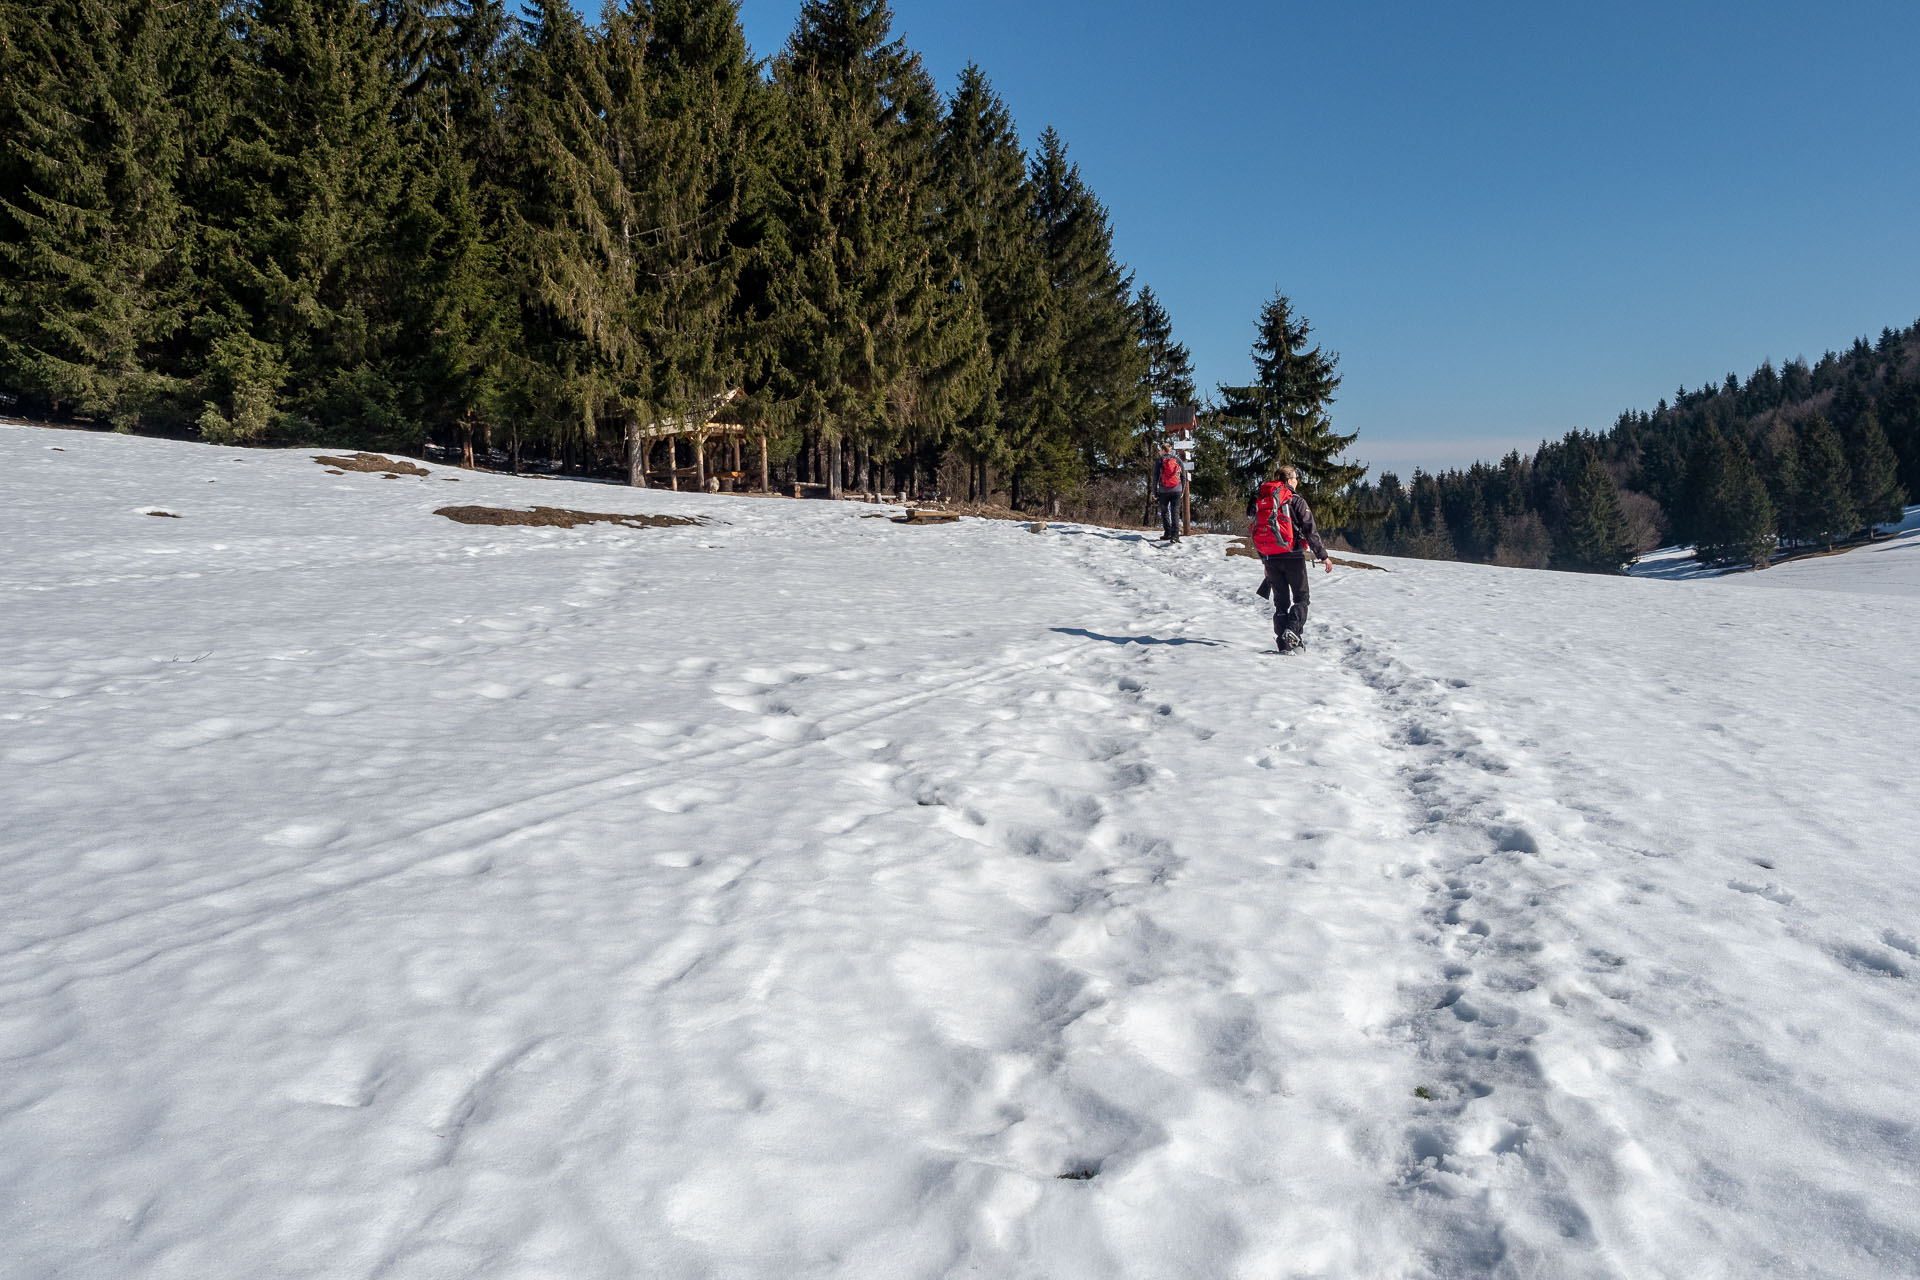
[(559, 517), (1244, 547), (372, 462)]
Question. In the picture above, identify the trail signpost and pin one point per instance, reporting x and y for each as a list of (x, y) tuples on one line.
[(1179, 422)]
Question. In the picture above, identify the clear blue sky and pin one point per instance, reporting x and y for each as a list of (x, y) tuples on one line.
[(1511, 219)]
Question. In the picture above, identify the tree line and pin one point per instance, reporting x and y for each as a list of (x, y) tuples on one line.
[(379, 223), (1795, 457)]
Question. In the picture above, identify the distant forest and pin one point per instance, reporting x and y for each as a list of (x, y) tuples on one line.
[(380, 223), (1793, 457)]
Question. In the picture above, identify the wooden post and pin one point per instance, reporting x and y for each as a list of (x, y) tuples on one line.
[(765, 487)]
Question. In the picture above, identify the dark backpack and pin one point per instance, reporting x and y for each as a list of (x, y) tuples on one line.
[(1272, 527)]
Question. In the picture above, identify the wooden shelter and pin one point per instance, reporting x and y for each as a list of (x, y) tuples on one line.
[(701, 430)]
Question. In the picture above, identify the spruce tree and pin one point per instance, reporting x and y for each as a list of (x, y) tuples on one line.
[(1898, 409), (95, 246), (1739, 513), (1169, 376), (1096, 400), (302, 326), (1877, 495), (1826, 507), (1779, 462), (1282, 416), (697, 172), (573, 220), (1693, 513), (876, 343), (1595, 536), (460, 303), (985, 225)]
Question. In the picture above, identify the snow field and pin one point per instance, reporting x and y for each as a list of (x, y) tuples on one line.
[(802, 895)]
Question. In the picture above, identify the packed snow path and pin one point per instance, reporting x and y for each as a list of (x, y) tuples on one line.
[(806, 895)]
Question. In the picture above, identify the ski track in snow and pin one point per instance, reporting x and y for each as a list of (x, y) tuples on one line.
[(802, 896)]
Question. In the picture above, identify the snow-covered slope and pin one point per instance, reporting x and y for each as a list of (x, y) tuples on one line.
[(1888, 567), (807, 895)]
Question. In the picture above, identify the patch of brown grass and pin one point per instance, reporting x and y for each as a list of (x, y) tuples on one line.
[(558, 517), (373, 462), (918, 516)]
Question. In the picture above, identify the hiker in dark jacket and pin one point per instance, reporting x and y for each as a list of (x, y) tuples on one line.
[(1169, 484), (1283, 531)]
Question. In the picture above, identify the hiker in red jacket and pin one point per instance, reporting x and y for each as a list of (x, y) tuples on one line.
[(1169, 484), (1282, 529)]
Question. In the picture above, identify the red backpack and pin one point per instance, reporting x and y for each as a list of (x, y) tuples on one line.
[(1169, 473), (1272, 528)]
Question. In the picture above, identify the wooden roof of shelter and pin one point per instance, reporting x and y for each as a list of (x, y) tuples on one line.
[(696, 423)]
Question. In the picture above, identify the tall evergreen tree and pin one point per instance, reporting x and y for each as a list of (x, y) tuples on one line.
[(1169, 376), (1595, 536), (1282, 416), (453, 229), (574, 218), (1826, 507), (1097, 398), (877, 343), (301, 226), (1877, 495), (985, 225), (95, 245), (1739, 516), (1707, 462)]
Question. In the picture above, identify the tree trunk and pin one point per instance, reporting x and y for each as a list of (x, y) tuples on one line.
[(673, 463), (700, 461), (834, 460), (765, 479), (636, 454), (466, 441)]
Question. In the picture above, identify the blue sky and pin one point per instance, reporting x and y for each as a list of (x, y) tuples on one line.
[(1511, 219)]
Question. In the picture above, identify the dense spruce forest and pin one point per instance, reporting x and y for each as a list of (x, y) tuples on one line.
[(389, 223), (1795, 457)]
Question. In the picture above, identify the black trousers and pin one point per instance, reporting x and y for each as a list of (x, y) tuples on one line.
[(1287, 575), (1170, 514)]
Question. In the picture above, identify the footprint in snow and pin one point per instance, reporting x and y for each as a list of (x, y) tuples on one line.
[(1770, 891), (1866, 959)]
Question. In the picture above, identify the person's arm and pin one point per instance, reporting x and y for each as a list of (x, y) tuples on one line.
[(1303, 521)]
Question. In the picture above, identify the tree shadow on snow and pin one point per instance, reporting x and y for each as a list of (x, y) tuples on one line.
[(1095, 635)]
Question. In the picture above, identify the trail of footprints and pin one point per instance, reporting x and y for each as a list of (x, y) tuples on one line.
[(1065, 847), (1510, 969)]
